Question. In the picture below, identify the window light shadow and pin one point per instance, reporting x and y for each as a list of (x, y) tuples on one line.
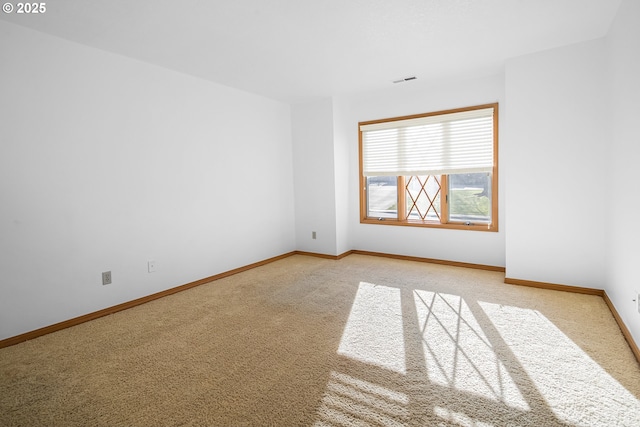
[(352, 401), (457, 352), (419, 357), (374, 331), (578, 390)]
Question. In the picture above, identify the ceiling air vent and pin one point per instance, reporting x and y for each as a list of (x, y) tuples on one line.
[(405, 79)]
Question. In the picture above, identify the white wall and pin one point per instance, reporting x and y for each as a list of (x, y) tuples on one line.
[(322, 167), (107, 162), (623, 284), (343, 139), (415, 98), (313, 159), (555, 166)]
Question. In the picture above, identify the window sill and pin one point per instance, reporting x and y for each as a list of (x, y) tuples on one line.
[(431, 224)]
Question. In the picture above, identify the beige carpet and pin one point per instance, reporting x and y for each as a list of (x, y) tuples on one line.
[(364, 341)]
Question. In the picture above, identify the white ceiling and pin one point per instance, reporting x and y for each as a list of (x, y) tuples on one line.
[(297, 50)]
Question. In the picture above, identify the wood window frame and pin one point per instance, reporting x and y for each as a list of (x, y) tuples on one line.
[(444, 222)]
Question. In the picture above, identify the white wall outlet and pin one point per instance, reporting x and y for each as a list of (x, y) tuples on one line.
[(106, 278), (151, 266), (313, 235)]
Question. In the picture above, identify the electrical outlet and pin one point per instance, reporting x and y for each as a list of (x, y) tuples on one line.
[(313, 235), (151, 265), (106, 278)]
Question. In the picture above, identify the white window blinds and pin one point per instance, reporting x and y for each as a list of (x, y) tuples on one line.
[(460, 142)]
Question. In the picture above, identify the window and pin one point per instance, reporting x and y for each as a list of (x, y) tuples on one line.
[(431, 170)]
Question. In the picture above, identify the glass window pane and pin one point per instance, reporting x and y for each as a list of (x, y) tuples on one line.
[(382, 197), (470, 198), (423, 197)]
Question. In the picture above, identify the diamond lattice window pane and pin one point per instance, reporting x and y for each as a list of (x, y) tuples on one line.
[(423, 197)]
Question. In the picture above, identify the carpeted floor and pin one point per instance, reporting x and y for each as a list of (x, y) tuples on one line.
[(363, 341)]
